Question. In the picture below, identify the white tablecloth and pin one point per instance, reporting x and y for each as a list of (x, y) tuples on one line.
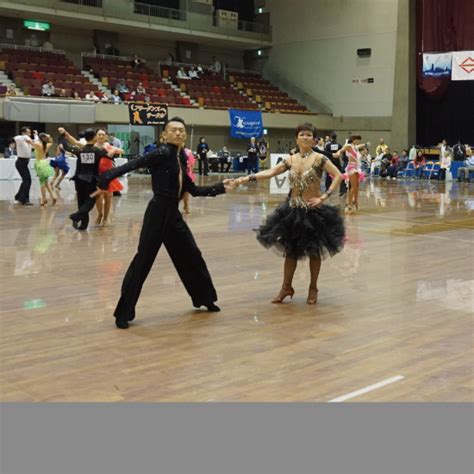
[(8, 170)]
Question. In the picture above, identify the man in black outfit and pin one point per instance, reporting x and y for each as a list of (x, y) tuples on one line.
[(252, 156), (87, 170), (202, 151), (163, 224), (334, 147)]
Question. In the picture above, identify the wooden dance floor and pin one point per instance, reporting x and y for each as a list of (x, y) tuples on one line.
[(393, 321)]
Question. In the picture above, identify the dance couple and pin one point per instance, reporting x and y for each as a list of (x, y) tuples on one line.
[(303, 226)]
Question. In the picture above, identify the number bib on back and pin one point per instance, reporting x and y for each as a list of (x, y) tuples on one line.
[(87, 158)]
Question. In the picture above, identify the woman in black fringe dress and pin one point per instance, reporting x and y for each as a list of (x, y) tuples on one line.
[(303, 226)]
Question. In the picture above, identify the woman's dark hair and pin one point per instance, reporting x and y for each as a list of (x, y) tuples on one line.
[(100, 129), (24, 129), (354, 137), (305, 127), (201, 139), (44, 138)]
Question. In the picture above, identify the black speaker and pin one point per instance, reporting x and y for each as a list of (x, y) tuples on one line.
[(364, 52)]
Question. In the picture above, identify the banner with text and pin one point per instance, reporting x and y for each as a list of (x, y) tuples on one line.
[(246, 123), (463, 66), (148, 114)]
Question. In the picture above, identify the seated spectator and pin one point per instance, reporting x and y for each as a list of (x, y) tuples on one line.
[(385, 163), (92, 97), (104, 99), (75, 95), (392, 169), (47, 45), (376, 162), (445, 166), (193, 74), (11, 91), (464, 171), (140, 89), (182, 73), (224, 160), (62, 93), (10, 151), (122, 87), (404, 159), (48, 90), (419, 164), (365, 158), (115, 98)]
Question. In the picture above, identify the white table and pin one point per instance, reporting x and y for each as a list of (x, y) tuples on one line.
[(8, 170)]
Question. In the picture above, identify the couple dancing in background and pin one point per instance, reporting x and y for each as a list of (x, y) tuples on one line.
[(302, 227)]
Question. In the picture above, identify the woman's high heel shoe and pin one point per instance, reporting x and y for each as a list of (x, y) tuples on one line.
[(284, 292), (312, 295)]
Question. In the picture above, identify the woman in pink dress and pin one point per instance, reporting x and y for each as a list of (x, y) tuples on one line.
[(353, 174), (189, 172)]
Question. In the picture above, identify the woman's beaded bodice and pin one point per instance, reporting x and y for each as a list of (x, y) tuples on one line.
[(305, 181)]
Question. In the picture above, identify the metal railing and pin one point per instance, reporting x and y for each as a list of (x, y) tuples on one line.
[(105, 57), (33, 49), (253, 27), (159, 12), (192, 16), (84, 3)]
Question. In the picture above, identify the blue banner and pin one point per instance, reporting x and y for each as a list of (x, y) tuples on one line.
[(246, 123), (437, 64)]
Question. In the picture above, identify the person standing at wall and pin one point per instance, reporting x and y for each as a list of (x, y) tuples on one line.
[(23, 146), (202, 151), (252, 156), (333, 147)]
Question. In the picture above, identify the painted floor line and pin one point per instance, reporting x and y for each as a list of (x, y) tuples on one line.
[(370, 388)]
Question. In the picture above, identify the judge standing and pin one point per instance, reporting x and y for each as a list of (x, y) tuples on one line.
[(202, 151), (252, 156), (23, 146)]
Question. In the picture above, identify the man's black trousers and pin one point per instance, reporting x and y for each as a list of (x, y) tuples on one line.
[(163, 224)]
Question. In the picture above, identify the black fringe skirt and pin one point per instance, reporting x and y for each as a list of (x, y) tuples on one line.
[(298, 233)]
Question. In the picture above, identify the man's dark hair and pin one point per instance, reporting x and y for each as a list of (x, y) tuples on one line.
[(175, 119), (333, 136), (89, 134), (24, 129)]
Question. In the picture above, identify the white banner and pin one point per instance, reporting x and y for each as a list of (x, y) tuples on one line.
[(463, 66), (436, 64)]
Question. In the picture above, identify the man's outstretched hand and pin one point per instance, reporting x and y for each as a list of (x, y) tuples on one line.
[(230, 184)]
